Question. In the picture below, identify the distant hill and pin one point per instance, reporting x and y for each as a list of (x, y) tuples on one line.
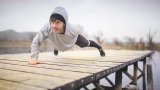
[(12, 35)]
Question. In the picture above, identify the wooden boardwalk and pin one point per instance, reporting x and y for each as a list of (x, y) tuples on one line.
[(70, 70)]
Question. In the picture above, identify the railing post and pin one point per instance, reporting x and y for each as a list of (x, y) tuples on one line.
[(144, 74), (118, 80), (135, 73), (149, 75)]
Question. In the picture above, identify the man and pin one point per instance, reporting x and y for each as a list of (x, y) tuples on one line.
[(62, 34)]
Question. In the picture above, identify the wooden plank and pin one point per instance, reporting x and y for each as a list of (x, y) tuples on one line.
[(75, 62), (56, 64), (74, 67), (58, 60), (47, 72), (56, 67), (89, 55), (6, 85), (31, 79), (94, 64), (63, 60), (109, 53)]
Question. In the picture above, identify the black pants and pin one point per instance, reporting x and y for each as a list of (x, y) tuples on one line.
[(83, 42)]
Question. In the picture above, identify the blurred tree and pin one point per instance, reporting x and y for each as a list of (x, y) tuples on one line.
[(141, 44), (117, 42), (130, 42), (151, 44), (99, 37)]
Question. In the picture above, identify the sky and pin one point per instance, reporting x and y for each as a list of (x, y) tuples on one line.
[(115, 18)]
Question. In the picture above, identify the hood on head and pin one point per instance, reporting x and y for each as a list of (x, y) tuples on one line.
[(62, 12)]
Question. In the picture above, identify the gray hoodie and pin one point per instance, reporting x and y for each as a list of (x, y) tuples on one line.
[(60, 42)]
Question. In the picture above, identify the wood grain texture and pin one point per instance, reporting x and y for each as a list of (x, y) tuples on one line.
[(56, 71)]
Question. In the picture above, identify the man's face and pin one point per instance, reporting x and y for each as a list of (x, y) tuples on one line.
[(57, 26)]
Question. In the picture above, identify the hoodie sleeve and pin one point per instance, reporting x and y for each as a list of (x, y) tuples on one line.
[(36, 43)]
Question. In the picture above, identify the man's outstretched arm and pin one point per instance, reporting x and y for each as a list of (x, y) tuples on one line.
[(36, 43)]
